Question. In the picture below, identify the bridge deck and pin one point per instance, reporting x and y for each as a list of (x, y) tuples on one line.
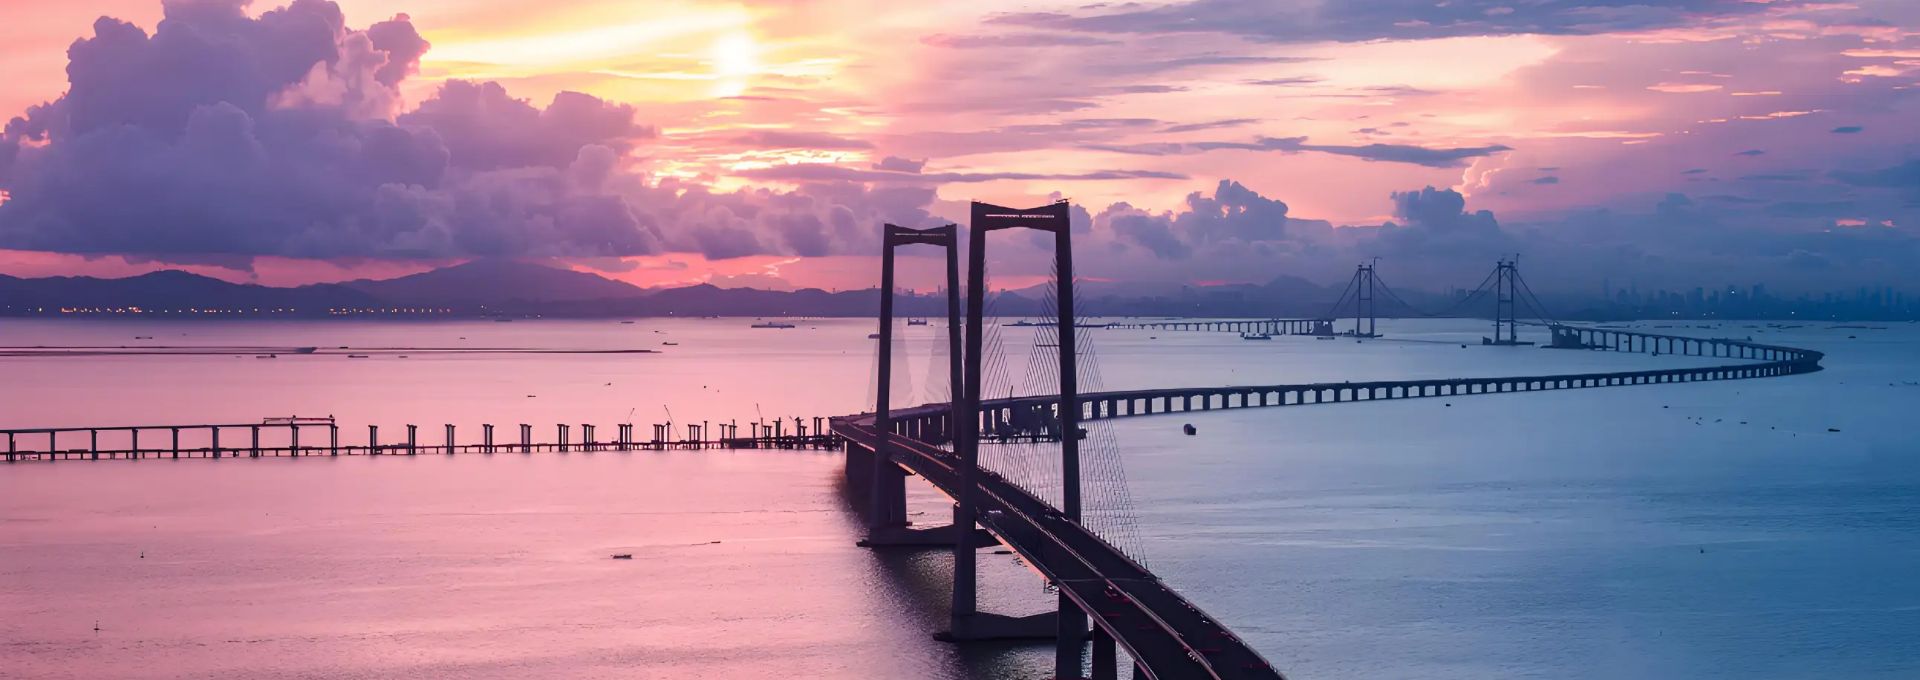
[(1168, 636), (1165, 633)]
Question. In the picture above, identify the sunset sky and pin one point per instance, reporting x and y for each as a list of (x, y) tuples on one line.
[(1679, 143)]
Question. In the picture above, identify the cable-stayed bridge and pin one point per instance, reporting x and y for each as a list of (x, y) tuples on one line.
[(1015, 430), (1022, 468)]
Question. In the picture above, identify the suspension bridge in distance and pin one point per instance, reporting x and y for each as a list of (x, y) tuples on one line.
[(1108, 600)]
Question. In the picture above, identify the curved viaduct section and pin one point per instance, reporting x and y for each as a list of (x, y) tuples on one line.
[(1168, 636), (1033, 416)]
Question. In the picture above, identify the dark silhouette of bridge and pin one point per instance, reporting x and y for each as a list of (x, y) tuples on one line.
[(1107, 598)]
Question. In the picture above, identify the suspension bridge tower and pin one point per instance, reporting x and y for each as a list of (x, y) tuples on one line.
[(1506, 324), (1364, 317)]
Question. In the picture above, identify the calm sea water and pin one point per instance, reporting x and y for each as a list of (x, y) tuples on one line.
[(1672, 531)]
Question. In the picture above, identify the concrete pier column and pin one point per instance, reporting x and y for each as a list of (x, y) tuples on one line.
[(373, 439), (216, 443), (1105, 662), (450, 443), (413, 439), (526, 438), (1070, 648), (486, 437)]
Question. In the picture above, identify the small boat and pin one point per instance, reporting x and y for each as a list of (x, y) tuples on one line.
[(623, 556), (873, 336), (916, 322), (143, 337), (1189, 429), (305, 350), (1024, 322), (356, 356), (1255, 336), (266, 356), (671, 344), (503, 320), (772, 324)]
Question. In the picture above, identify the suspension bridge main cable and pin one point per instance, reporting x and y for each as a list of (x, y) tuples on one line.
[(1450, 309), (1539, 308), (1334, 311)]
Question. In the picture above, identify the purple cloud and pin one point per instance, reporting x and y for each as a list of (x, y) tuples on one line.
[(1292, 21), (1391, 153), (821, 172), (784, 139), (221, 137)]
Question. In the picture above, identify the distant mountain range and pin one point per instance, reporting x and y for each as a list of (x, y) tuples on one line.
[(506, 288), (513, 288)]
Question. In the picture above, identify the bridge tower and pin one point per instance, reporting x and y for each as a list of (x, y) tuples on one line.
[(1364, 318), (1071, 628), (1506, 295), (885, 482)]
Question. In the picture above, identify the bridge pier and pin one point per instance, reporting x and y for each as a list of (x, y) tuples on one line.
[(1070, 647), (1106, 665)]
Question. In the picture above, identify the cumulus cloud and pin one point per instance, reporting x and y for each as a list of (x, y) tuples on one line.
[(1441, 210), (1437, 239), (226, 136), (485, 128), (1233, 215)]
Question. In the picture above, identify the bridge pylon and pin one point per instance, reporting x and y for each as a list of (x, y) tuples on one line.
[(1071, 622), (1506, 323), (1364, 317), (875, 474), (883, 481)]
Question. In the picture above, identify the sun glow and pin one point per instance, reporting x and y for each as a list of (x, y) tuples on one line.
[(578, 46), (735, 60)]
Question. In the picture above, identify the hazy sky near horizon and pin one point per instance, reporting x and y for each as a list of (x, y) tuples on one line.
[(1679, 143)]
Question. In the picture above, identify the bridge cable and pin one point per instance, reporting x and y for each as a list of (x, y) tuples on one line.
[(1114, 515), (1449, 310), (1538, 307), (1334, 312)]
